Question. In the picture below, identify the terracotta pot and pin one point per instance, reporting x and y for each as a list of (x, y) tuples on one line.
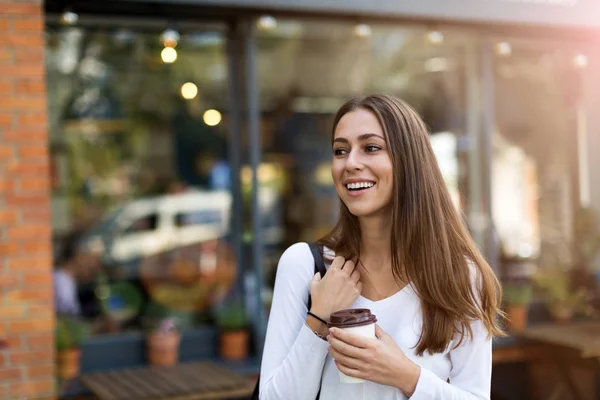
[(68, 363), (163, 348), (562, 315), (516, 317), (233, 345)]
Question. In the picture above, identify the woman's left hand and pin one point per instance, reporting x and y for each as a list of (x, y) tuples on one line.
[(378, 360)]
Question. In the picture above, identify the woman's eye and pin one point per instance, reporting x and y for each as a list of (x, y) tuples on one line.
[(372, 148), (339, 152)]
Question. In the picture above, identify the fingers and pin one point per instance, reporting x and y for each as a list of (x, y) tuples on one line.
[(317, 277), (353, 372), (342, 348), (355, 276), (338, 263), (344, 359), (349, 338), (349, 267)]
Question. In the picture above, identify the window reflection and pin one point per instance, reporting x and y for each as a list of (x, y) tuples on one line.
[(140, 176)]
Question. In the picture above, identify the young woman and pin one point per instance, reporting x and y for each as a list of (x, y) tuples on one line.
[(399, 249)]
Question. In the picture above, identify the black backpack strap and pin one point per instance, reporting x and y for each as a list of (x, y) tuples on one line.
[(317, 252)]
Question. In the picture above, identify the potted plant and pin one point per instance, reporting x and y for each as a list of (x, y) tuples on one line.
[(233, 332), (162, 342), (70, 334), (516, 297), (562, 298)]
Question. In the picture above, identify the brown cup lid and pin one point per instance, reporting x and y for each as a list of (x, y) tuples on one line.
[(351, 318)]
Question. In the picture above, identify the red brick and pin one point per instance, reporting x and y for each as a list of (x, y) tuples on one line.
[(24, 264), (16, 342), (7, 217), (22, 200), (5, 86), (28, 55), (6, 120), (37, 295), (42, 248), (31, 388), (22, 70), (38, 279), (33, 119), (7, 186), (4, 24), (21, 39), (28, 24), (33, 167), (33, 151), (40, 341), (30, 357), (40, 371), (30, 86), (8, 282), (6, 55), (36, 215), (34, 184), (7, 8), (25, 135), (6, 152), (32, 232), (26, 103), (30, 326), (9, 249), (11, 312), (40, 310), (10, 374)]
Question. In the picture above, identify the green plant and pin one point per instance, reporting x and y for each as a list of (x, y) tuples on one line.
[(70, 332), (586, 244), (231, 317), (517, 294), (558, 291)]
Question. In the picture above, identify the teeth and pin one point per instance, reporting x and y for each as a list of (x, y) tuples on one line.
[(360, 185)]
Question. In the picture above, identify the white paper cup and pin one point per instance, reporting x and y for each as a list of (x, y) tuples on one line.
[(366, 331)]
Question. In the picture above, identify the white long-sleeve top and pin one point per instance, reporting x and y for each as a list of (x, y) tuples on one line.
[(296, 362)]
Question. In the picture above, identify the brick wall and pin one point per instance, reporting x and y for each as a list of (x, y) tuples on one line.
[(26, 314)]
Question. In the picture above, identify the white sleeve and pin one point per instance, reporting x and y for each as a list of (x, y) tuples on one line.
[(470, 376), (293, 356)]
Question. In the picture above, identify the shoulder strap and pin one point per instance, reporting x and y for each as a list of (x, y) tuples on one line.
[(316, 251)]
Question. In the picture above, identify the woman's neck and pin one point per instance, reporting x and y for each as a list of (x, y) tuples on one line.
[(375, 247)]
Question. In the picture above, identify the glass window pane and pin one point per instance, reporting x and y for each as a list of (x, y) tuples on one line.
[(141, 183)]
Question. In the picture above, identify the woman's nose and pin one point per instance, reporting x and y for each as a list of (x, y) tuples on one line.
[(354, 161)]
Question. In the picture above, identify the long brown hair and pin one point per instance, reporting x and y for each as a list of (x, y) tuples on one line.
[(430, 246)]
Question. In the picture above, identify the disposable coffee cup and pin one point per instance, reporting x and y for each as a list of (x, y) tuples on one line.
[(357, 321)]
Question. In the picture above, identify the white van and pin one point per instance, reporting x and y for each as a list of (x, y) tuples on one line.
[(145, 227)]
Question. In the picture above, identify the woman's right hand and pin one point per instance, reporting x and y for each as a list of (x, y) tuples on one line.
[(337, 290)]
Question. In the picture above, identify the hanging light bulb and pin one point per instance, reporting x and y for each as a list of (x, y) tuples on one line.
[(362, 30), (503, 49), (170, 38), (168, 55), (267, 22), (68, 17), (212, 117), (435, 37), (189, 90)]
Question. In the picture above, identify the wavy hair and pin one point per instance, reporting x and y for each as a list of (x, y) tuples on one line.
[(430, 245)]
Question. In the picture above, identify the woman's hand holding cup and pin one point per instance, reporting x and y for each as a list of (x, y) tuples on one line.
[(337, 290)]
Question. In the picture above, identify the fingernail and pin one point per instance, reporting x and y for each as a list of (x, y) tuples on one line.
[(331, 330)]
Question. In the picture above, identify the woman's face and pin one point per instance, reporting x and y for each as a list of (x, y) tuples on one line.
[(362, 168)]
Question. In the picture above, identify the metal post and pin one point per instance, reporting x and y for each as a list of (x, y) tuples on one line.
[(476, 214), (255, 280), (489, 117), (233, 55)]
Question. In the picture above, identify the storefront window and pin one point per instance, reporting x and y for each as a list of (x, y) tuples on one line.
[(318, 67), (141, 188), (535, 172)]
